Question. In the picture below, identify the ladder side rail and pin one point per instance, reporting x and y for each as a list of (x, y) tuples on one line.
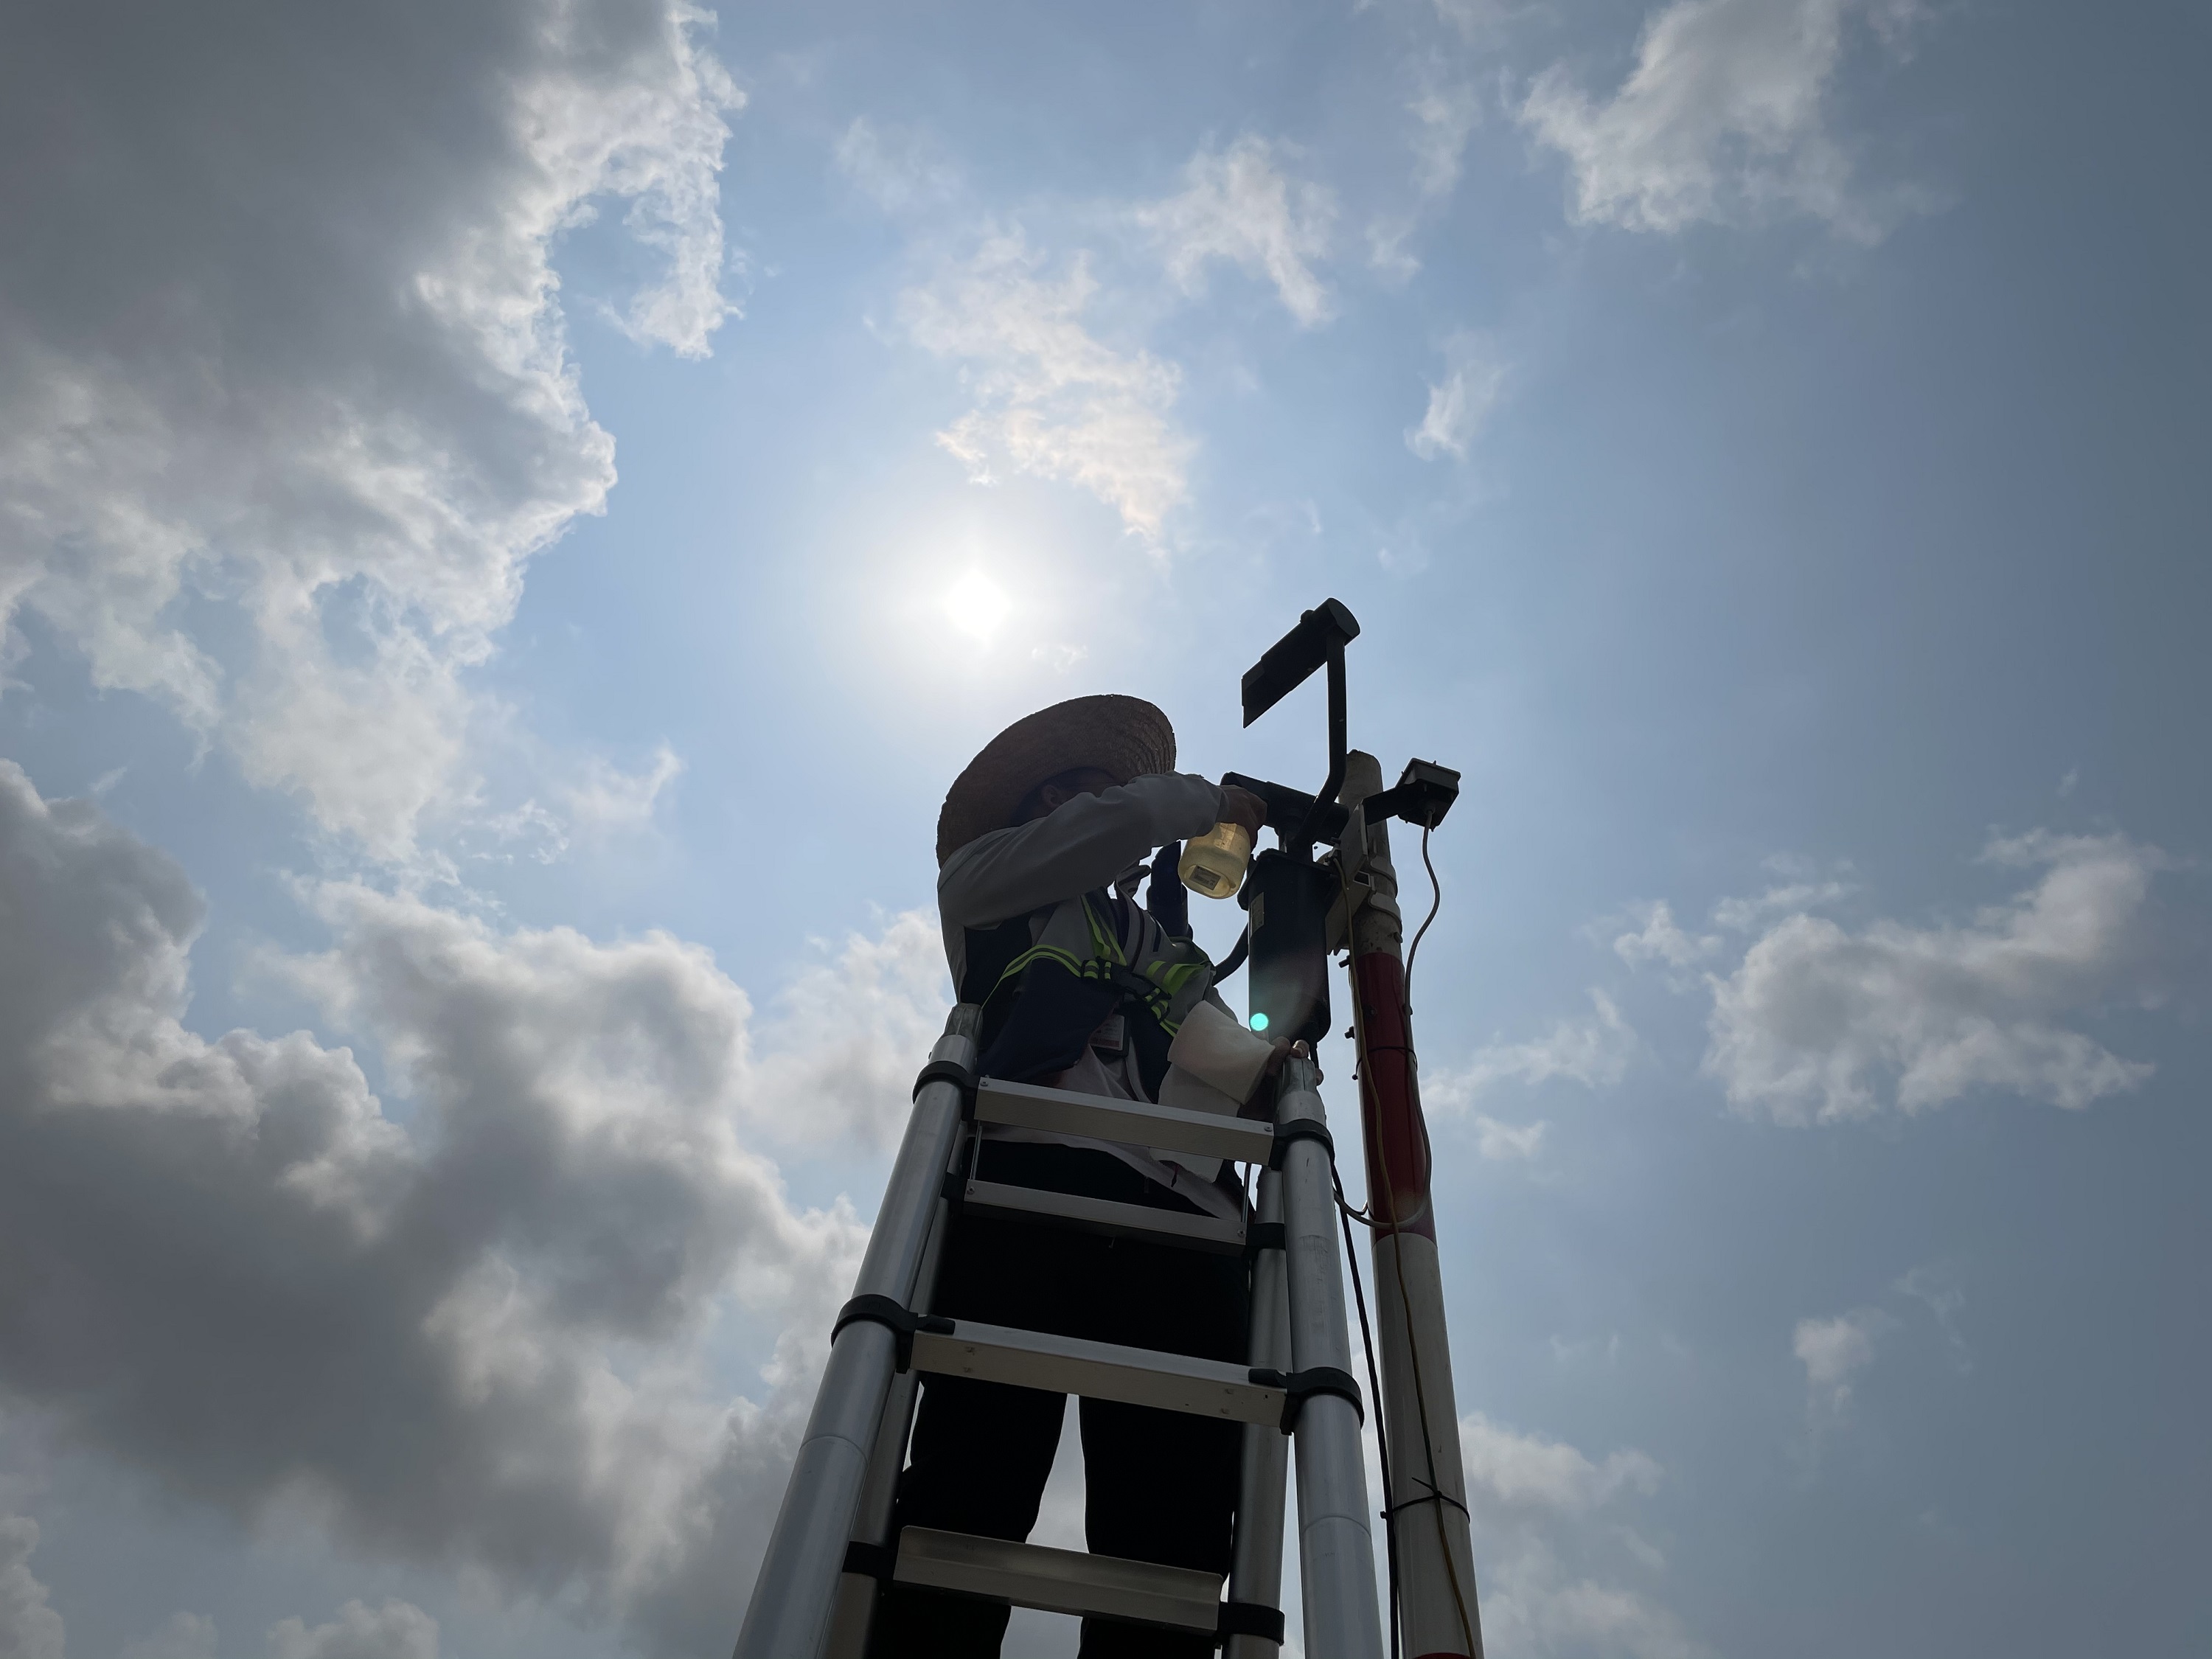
[(857, 1594), (1256, 1575), (1336, 1548), (797, 1590)]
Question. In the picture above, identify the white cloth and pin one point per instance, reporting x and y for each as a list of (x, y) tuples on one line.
[(1214, 1049), (1214, 1066)]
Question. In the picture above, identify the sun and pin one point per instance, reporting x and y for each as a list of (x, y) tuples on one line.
[(977, 605)]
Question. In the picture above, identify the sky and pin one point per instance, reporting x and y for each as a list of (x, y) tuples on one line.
[(511, 517)]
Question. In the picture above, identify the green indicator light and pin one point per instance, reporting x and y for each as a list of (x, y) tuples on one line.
[(1259, 1022)]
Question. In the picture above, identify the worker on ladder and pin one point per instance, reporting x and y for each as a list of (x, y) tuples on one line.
[(1040, 847)]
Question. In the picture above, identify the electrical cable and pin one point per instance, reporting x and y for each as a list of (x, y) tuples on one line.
[(1435, 903), (1375, 1388), (1229, 963)]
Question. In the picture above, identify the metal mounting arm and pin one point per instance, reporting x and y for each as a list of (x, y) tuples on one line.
[(1317, 641)]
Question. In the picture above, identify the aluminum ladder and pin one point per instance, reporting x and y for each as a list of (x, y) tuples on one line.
[(830, 1548)]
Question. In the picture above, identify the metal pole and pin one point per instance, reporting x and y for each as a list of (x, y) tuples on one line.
[(1435, 1560), (856, 1592), (1336, 1551), (1257, 1574), (797, 1588)]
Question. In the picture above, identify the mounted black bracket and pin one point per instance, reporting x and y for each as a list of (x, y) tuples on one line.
[(1317, 641)]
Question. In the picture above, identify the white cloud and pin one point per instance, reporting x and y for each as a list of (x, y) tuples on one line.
[(1506, 1142), (477, 1338), (1528, 1471), (1544, 1519), (596, 800), (1239, 206), (1061, 656), (606, 799), (1593, 1051), (1472, 18), (1937, 1285), (1833, 1351), (288, 403), (1821, 1023), (1532, 1604), (1462, 402), (843, 1047), (398, 1630), (1741, 915), (29, 1629), (1721, 119), (1446, 113), (898, 168), (1051, 398), (1387, 252), (182, 1636), (1662, 939)]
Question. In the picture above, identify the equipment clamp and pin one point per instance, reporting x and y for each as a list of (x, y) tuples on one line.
[(894, 1317), (1250, 1619), (1299, 1387), (1264, 1236), (1301, 1128), (873, 1561), (961, 1077)]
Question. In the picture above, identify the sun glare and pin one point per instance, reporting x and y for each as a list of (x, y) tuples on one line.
[(977, 605)]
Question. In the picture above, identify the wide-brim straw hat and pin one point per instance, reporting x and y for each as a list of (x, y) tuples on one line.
[(1124, 738)]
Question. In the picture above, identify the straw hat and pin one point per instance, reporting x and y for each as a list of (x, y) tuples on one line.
[(1123, 736)]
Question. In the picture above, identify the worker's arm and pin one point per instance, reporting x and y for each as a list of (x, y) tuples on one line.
[(1081, 844)]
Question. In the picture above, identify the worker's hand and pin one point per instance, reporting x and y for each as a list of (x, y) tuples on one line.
[(1283, 1050), (1242, 806)]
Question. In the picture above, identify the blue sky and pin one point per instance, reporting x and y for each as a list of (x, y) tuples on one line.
[(513, 518)]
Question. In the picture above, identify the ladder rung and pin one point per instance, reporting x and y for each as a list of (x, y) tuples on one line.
[(1132, 1122), (1060, 1581), (1098, 1371), (1201, 1232)]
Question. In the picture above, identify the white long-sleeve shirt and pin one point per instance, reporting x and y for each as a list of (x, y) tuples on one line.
[(1086, 843), (1083, 844)]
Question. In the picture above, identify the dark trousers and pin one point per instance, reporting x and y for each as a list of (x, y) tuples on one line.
[(1157, 1485)]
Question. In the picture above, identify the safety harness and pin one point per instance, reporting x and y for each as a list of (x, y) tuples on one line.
[(1055, 990)]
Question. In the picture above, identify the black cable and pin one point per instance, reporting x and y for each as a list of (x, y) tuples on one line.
[(1345, 1213), (1229, 963), (1435, 903)]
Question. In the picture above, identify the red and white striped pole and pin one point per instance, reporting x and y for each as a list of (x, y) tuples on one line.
[(1428, 1482)]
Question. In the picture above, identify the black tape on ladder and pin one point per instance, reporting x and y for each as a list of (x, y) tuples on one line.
[(1264, 1236), (894, 1317), (951, 1072), (871, 1560), (1250, 1619), (1301, 1128), (1299, 1387)]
